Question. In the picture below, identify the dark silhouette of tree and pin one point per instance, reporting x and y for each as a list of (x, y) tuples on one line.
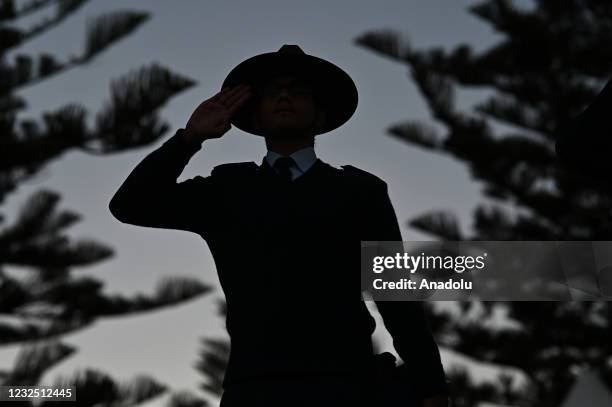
[(40, 298), (551, 61), (213, 359)]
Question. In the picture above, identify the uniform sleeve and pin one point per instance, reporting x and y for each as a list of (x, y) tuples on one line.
[(152, 197), (406, 320)]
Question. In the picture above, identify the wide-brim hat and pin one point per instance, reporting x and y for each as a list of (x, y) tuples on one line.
[(336, 91)]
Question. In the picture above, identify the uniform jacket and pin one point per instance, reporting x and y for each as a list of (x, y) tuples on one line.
[(288, 260)]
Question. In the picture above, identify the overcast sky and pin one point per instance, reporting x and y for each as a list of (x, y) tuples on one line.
[(204, 40)]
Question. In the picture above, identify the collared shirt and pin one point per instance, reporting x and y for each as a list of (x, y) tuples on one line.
[(304, 159)]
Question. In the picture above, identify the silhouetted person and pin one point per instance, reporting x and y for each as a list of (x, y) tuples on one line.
[(285, 236)]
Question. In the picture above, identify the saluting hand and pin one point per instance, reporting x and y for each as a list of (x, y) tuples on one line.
[(211, 119)]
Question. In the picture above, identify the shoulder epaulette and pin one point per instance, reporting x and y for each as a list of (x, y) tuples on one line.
[(234, 169), (363, 175)]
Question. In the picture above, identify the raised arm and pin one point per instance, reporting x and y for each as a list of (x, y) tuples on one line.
[(405, 320), (151, 196)]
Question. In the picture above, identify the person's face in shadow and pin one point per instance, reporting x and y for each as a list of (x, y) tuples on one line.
[(287, 108)]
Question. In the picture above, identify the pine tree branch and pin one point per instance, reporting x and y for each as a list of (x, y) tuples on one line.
[(508, 111), (213, 359), (14, 294), (549, 64), (388, 43), (37, 216), (186, 399), (9, 10), (96, 388), (33, 330), (106, 29), (139, 390), (506, 18), (77, 302), (52, 294), (63, 129), (34, 360), (31, 7), (34, 239), (102, 32), (466, 392), (25, 72), (213, 364), (418, 133), (18, 37), (443, 224), (58, 252), (127, 121), (494, 164)]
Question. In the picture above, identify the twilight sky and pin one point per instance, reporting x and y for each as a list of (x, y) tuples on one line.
[(204, 40)]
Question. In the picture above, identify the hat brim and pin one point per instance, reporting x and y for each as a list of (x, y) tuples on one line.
[(336, 90)]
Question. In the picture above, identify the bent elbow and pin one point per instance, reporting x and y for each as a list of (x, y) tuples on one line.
[(117, 209)]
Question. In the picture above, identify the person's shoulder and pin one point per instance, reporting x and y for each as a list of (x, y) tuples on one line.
[(361, 176), (233, 170)]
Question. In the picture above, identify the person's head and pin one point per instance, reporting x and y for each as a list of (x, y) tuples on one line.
[(332, 101), (287, 107)]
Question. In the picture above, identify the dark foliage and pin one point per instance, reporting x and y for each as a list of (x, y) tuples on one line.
[(552, 59), (41, 298)]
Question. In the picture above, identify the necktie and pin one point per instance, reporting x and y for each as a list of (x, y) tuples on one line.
[(283, 167)]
